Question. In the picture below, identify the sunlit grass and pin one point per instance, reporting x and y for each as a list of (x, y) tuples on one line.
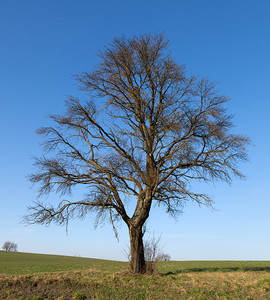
[(177, 267), (34, 276), (19, 263)]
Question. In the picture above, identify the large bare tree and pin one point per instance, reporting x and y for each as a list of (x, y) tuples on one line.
[(146, 132)]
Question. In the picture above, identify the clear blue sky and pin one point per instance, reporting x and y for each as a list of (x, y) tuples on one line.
[(42, 43)]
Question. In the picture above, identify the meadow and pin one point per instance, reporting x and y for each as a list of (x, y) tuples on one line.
[(39, 277)]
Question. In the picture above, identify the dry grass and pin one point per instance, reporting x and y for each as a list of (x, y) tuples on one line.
[(95, 284)]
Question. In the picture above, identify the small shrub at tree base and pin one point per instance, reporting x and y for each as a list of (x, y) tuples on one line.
[(150, 267)]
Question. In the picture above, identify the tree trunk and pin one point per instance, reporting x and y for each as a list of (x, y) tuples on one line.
[(137, 261)]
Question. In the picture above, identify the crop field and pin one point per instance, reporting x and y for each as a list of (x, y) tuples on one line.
[(36, 277)]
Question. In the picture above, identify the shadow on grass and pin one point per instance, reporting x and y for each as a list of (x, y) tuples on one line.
[(231, 269)]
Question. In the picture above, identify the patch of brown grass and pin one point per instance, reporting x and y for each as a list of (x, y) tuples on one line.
[(95, 284)]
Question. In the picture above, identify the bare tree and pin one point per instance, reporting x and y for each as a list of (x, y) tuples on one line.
[(10, 246), (147, 131), (152, 249), (163, 257)]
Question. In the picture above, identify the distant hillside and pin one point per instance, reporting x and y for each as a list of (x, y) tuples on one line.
[(14, 263)]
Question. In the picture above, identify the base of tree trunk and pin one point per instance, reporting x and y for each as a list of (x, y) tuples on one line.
[(137, 261)]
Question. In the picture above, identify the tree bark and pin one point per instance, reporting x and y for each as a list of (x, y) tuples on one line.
[(137, 261)]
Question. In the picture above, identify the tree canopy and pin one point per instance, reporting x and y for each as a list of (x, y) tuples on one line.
[(146, 131)]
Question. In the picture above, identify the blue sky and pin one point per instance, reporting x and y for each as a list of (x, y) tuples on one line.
[(43, 43)]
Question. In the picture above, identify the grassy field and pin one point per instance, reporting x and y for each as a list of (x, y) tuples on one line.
[(35, 276), (18, 263)]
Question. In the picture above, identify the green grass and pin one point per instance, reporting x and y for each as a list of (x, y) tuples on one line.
[(178, 267), (19, 263), (28, 276)]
